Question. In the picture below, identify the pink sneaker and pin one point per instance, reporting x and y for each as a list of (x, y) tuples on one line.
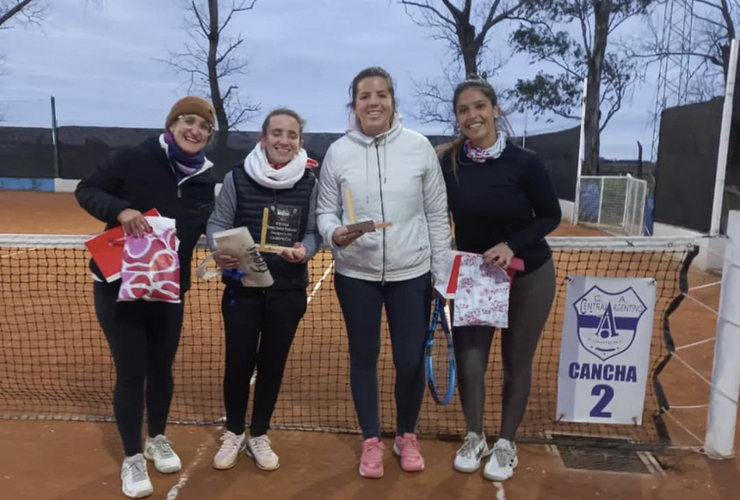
[(407, 447), (371, 462)]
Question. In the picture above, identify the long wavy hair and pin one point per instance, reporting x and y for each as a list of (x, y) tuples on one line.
[(500, 123)]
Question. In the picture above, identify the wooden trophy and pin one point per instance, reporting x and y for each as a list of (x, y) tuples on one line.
[(363, 227)]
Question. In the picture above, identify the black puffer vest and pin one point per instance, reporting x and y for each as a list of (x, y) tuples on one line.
[(251, 200)]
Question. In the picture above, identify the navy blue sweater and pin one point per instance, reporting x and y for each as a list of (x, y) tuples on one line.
[(510, 199)]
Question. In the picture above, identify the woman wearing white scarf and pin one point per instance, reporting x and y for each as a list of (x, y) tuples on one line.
[(260, 323)]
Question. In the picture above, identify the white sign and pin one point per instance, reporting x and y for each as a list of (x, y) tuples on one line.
[(607, 329)]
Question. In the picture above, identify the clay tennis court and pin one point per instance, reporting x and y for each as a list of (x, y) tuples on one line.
[(51, 371)]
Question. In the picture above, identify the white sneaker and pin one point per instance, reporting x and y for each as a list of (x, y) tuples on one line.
[(231, 446), (470, 454), (159, 450), (135, 478), (259, 448), (503, 461)]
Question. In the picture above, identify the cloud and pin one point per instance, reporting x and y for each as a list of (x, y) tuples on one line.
[(102, 64)]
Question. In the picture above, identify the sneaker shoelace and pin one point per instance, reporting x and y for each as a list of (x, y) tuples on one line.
[(230, 442), (411, 445), (504, 457), (373, 451), (163, 448), (261, 445), (137, 471), (468, 447)]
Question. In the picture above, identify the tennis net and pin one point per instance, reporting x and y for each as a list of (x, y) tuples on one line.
[(55, 363)]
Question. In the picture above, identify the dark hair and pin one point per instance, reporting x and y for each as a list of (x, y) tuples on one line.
[(373, 71), (284, 112), (482, 85)]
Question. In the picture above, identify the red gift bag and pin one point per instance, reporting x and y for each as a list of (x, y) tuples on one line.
[(150, 268), (107, 249)]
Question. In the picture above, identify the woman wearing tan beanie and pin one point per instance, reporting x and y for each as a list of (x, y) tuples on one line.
[(171, 174)]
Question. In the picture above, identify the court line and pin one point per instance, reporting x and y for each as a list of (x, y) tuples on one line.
[(185, 476), (710, 309), (699, 287), (694, 344), (18, 253), (500, 495), (317, 286)]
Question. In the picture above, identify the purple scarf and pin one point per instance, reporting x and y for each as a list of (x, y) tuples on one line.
[(186, 164)]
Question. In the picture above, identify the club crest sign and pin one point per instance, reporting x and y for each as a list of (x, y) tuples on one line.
[(608, 327), (607, 322)]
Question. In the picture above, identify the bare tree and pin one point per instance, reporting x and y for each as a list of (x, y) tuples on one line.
[(18, 13), (465, 26), (21, 12), (577, 54), (713, 27), (434, 95), (210, 61)]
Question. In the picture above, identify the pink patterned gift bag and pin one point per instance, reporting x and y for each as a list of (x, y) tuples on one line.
[(150, 268), (482, 296)]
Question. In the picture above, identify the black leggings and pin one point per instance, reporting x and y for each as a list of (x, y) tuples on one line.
[(260, 326), (143, 339), (407, 305), (529, 306)]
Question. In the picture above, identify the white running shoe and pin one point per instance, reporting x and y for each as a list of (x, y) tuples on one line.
[(160, 451), (260, 449), (231, 446), (470, 454), (135, 478), (503, 461)]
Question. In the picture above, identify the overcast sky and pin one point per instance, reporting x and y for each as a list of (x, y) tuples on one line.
[(103, 65)]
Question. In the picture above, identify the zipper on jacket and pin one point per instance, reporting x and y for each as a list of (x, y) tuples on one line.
[(382, 208)]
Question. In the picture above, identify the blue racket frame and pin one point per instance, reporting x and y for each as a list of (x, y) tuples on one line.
[(439, 317)]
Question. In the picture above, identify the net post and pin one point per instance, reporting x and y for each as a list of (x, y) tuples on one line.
[(723, 395), (601, 200), (627, 199), (55, 138), (724, 141), (581, 147)]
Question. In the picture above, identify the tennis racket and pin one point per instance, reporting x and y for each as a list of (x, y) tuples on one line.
[(440, 356)]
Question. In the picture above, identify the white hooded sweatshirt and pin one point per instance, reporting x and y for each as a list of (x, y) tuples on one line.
[(394, 177)]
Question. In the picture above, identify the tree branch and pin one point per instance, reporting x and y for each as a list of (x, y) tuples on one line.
[(16, 9), (235, 9), (428, 7)]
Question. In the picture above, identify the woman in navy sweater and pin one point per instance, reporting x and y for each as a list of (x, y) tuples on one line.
[(503, 204)]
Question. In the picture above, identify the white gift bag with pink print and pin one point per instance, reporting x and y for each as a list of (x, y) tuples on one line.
[(150, 269), (480, 291)]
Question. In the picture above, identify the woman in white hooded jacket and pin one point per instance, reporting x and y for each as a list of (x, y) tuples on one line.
[(392, 175)]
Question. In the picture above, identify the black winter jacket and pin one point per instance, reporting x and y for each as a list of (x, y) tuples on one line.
[(141, 177)]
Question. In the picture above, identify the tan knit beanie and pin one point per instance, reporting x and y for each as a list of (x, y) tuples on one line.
[(191, 105)]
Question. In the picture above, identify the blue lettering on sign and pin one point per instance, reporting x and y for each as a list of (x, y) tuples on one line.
[(606, 392), (597, 371)]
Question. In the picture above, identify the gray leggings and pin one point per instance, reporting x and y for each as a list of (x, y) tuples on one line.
[(529, 306)]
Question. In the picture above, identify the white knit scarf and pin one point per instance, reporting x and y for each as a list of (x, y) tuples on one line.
[(258, 168)]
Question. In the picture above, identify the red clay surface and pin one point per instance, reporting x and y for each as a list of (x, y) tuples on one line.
[(74, 460)]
